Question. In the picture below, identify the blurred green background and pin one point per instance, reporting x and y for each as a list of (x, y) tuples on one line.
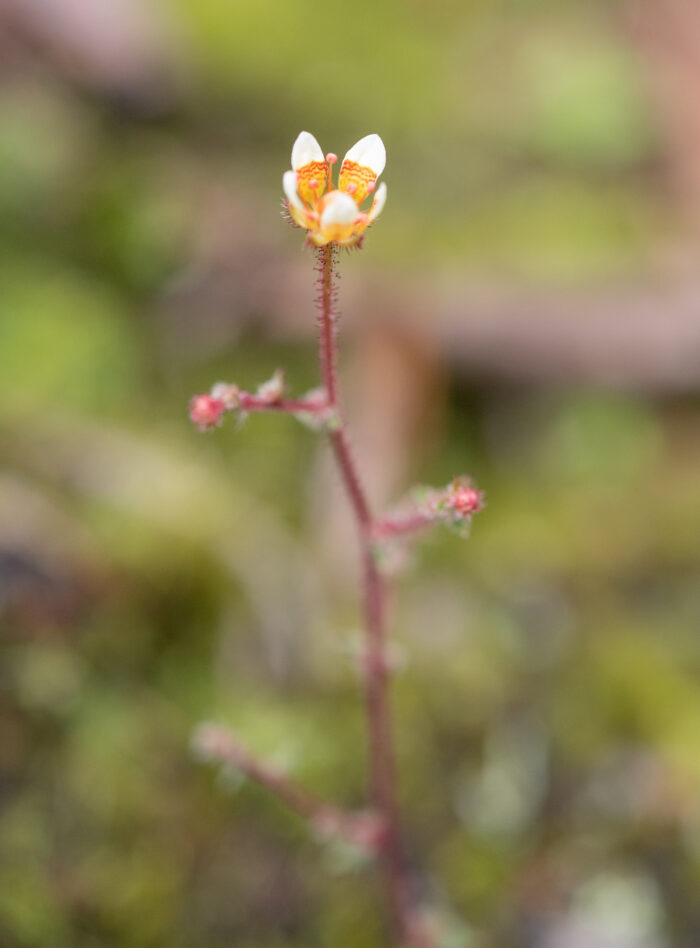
[(524, 311)]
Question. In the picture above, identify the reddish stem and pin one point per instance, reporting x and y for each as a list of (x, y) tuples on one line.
[(376, 679), (217, 743), (401, 524), (249, 402), (359, 828), (343, 455), (327, 324)]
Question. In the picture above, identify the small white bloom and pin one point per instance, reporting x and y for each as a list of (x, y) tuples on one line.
[(334, 215)]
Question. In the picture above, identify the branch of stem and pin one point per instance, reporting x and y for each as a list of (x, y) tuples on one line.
[(402, 525), (250, 403), (364, 829)]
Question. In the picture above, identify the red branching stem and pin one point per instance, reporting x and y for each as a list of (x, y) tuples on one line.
[(217, 743), (364, 828), (249, 402), (382, 778), (398, 525)]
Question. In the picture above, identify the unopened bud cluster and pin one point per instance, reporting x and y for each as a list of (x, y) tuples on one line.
[(454, 505), (207, 410), (312, 409)]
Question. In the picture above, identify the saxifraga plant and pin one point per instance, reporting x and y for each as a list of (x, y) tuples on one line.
[(334, 218)]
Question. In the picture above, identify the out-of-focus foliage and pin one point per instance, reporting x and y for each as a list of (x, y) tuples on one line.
[(549, 711)]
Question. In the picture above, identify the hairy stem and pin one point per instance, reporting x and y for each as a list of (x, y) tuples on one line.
[(248, 402), (363, 828), (403, 524), (382, 777)]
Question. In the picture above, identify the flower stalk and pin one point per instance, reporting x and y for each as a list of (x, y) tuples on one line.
[(382, 782), (453, 506), (333, 218)]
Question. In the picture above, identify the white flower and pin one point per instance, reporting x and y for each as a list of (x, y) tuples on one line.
[(334, 215)]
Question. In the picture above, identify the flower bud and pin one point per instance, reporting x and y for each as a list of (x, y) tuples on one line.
[(464, 499), (206, 411), (228, 394), (272, 390)]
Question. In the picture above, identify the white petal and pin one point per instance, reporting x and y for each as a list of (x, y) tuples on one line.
[(341, 210), (304, 150), (378, 203), (369, 151), (289, 185)]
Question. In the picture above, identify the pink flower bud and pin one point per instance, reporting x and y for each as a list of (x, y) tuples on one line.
[(206, 411), (464, 499)]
